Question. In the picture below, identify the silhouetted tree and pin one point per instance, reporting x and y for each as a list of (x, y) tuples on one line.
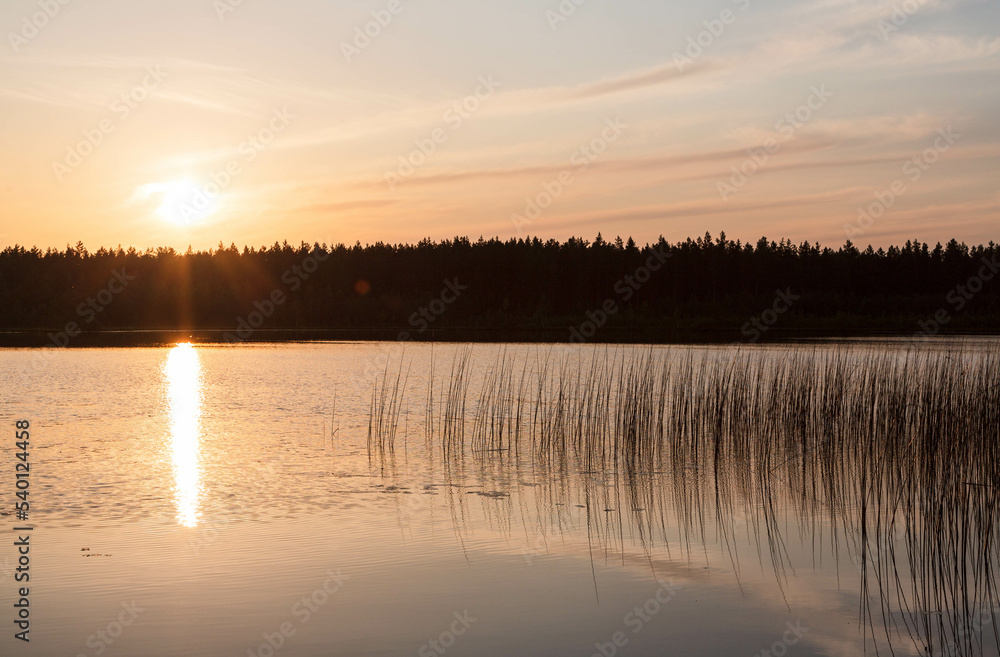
[(522, 284)]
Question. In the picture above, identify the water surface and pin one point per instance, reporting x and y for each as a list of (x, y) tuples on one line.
[(225, 497)]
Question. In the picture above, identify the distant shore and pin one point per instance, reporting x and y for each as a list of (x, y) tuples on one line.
[(42, 338)]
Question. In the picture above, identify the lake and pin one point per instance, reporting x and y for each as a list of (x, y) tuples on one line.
[(314, 499)]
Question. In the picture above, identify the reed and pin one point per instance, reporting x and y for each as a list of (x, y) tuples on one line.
[(897, 450), (385, 408)]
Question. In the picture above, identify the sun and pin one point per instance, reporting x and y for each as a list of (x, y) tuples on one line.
[(182, 202)]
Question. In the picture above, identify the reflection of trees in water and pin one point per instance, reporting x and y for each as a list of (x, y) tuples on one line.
[(889, 452)]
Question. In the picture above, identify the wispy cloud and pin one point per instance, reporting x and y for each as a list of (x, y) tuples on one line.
[(636, 80)]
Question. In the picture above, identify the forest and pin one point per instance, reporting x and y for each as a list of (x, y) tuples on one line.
[(703, 289)]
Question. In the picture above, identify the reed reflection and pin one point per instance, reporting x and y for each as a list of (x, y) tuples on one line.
[(889, 459)]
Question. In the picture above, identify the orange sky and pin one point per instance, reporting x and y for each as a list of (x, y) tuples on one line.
[(194, 122)]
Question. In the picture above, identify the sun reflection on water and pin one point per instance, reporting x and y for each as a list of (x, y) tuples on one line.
[(182, 372)]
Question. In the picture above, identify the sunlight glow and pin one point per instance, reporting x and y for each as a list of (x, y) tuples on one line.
[(182, 202), (182, 372)]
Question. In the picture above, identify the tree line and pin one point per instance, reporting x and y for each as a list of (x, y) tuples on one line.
[(527, 288)]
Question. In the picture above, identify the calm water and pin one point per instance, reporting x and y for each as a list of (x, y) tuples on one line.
[(205, 500)]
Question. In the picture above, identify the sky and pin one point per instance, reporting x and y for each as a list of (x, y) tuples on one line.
[(148, 124)]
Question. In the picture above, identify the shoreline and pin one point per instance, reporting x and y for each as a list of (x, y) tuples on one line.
[(121, 338)]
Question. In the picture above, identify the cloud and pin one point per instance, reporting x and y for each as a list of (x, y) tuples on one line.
[(203, 102), (109, 62), (345, 206), (631, 165), (636, 80), (699, 208), (940, 49)]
